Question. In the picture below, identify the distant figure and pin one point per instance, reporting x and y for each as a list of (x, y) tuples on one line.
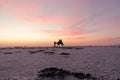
[(58, 43)]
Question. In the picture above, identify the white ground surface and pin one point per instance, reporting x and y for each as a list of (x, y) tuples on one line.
[(98, 61)]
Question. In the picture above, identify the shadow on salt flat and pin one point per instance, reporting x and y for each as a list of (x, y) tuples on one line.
[(33, 52), (64, 53), (49, 53), (7, 53), (54, 73)]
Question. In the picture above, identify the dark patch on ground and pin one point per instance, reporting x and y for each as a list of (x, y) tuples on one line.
[(118, 79), (49, 53), (61, 73), (33, 52), (76, 48), (7, 53), (64, 53)]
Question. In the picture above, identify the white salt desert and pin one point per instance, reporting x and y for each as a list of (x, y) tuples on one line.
[(25, 63)]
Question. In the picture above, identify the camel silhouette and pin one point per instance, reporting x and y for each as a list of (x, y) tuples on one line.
[(59, 43)]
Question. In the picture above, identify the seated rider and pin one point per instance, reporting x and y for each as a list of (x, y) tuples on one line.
[(60, 41)]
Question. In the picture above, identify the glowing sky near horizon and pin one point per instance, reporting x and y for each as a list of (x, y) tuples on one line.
[(77, 22)]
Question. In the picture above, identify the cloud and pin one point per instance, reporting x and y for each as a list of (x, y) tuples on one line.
[(111, 21), (22, 6), (107, 41), (73, 32), (32, 11), (48, 19)]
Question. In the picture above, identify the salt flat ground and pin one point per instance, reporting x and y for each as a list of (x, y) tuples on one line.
[(23, 64)]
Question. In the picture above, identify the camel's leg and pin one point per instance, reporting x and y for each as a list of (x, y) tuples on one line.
[(58, 45), (61, 45), (54, 44)]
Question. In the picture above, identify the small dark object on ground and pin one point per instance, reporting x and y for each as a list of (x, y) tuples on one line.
[(89, 76), (56, 72), (79, 48), (67, 48), (64, 53), (118, 79), (7, 53), (49, 53), (33, 52), (79, 75)]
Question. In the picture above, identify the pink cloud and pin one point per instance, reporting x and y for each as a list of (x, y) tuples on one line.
[(22, 6), (112, 21), (30, 11), (48, 19), (73, 32), (106, 41), (111, 24)]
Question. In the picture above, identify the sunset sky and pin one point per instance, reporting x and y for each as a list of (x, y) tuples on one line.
[(76, 22)]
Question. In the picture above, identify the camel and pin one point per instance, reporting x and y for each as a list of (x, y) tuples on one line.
[(59, 43)]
